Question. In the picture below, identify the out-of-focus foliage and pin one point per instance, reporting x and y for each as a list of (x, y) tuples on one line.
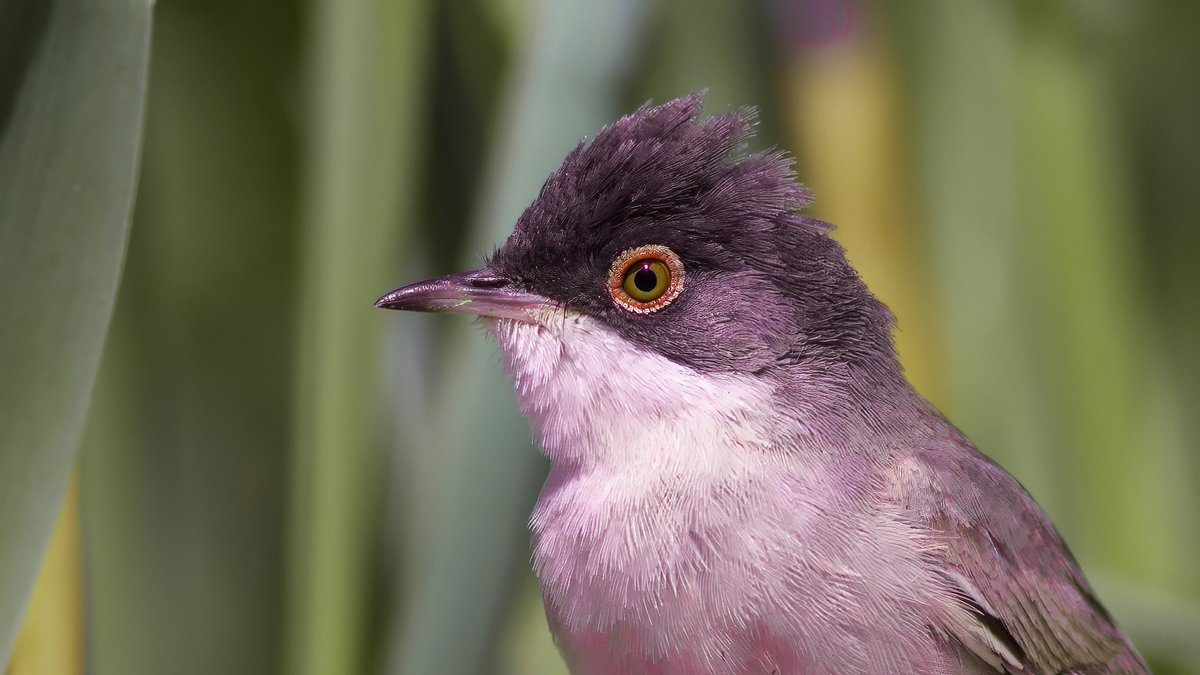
[(279, 478), (367, 72), (72, 85)]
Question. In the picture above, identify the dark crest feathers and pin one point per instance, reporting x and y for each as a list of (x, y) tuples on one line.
[(663, 175), (664, 162)]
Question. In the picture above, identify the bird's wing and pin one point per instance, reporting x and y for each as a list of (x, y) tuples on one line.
[(1028, 607)]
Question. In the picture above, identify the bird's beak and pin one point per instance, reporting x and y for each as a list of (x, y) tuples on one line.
[(482, 292)]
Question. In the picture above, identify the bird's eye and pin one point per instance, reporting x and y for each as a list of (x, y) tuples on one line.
[(645, 279)]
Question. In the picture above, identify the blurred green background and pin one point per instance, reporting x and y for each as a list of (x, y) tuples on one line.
[(275, 477)]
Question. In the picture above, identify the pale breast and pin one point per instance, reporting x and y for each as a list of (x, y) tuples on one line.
[(675, 536), (744, 575)]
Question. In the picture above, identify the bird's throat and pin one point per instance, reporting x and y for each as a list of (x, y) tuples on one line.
[(597, 400)]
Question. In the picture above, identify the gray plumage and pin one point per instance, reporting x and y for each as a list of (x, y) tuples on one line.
[(742, 479)]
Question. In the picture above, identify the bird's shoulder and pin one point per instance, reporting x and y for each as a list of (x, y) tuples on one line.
[(1025, 604)]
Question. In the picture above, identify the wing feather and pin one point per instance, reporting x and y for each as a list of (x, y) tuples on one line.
[(1028, 606)]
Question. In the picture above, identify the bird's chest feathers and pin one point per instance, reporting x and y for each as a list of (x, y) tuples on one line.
[(653, 462), (676, 529)]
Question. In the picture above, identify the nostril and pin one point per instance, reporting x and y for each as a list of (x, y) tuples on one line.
[(486, 280)]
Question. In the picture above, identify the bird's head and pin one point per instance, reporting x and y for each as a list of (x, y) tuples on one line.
[(664, 240)]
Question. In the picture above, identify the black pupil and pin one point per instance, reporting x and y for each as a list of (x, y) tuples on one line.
[(646, 279)]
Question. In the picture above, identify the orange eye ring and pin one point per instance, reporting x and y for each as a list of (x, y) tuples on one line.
[(645, 279)]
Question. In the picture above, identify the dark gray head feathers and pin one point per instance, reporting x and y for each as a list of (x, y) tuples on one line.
[(766, 288)]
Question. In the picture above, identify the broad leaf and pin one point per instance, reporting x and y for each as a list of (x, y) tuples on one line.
[(73, 79)]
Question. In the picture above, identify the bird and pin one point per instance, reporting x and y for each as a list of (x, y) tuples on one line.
[(742, 479)]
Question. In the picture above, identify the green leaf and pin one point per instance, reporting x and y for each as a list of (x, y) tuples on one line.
[(367, 66), (72, 123), (184, 458)]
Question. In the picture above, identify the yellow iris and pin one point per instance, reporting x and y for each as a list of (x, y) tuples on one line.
[(646, 280)]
